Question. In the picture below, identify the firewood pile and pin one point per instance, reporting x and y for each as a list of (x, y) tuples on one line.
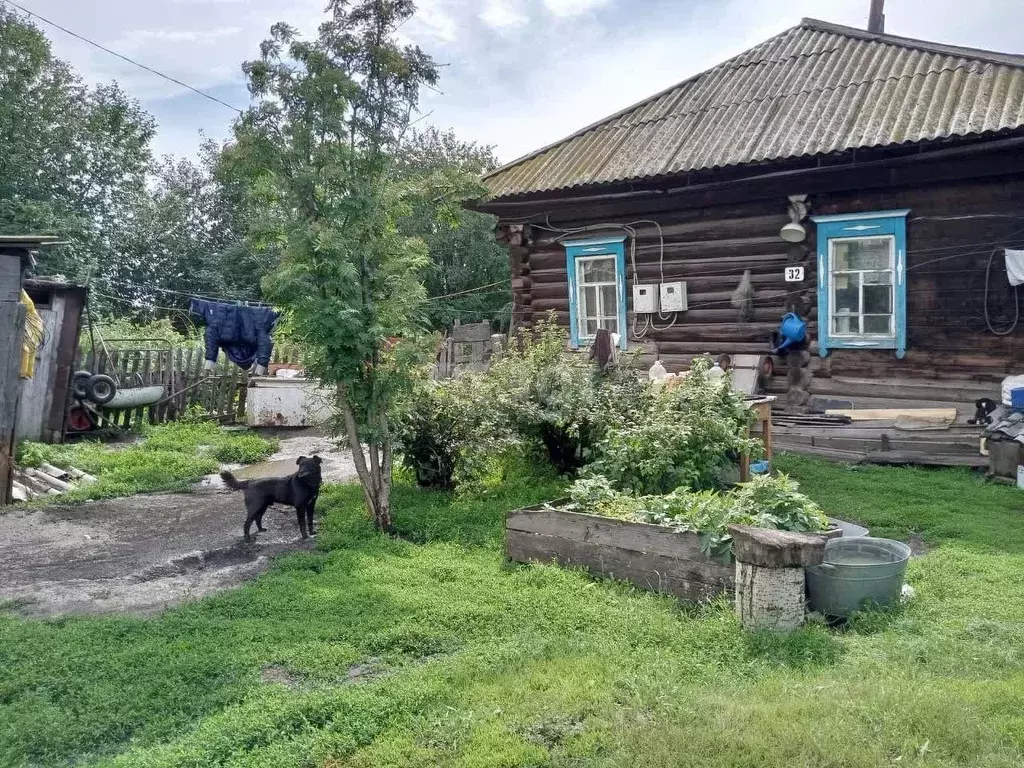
[(47, 480)]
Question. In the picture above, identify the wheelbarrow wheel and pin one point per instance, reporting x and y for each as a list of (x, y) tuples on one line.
[(80, 385), (101, 389)]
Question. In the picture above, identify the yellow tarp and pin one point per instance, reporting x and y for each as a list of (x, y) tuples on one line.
[(33, 337)]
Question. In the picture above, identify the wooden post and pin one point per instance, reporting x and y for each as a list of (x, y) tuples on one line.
[(770, 575)]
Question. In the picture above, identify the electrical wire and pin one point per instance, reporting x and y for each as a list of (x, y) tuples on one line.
[(471, 290), (1016, 300), (132, 302), (93, 43), (630, 229)]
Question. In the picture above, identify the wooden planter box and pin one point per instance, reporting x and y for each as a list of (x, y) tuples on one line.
[(650, 557)]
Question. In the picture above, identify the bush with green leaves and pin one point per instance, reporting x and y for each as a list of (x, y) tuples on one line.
[(683, 437), (447, 432), (558, 401), (772, 502)]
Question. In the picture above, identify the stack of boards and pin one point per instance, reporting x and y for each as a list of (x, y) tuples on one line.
[(47, 480)]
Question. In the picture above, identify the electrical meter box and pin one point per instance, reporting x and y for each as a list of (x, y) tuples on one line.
[(673, 297), (645, 299)]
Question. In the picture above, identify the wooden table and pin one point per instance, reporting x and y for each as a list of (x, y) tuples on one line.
[(762, 407)]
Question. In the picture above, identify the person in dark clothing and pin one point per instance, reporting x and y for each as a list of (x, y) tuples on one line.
[(244, 333)]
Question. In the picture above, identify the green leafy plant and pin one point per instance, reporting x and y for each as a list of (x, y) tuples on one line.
[(681, 437), (772, 502), (557, 400), (448, 434)]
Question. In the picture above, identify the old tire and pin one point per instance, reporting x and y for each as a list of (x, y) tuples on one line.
[(80, 385), (101, 389)]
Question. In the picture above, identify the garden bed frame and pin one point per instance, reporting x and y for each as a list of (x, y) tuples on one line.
[(650, 557)]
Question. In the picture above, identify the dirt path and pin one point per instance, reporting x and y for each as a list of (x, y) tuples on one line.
[(144, 553)]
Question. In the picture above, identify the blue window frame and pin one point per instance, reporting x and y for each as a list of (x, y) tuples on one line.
[(862, 281), (597, 288)]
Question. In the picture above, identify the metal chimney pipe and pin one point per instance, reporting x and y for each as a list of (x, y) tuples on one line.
[(876, 18)]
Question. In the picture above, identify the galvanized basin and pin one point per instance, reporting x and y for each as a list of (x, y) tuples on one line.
[(857, 573)]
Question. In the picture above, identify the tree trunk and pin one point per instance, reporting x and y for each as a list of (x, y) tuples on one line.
[(375, 477)]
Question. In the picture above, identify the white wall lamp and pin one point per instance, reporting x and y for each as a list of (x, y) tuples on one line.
[(794, 231)]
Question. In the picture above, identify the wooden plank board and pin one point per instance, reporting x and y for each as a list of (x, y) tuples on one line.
[(608, 531), (925, 459), (243, 394), (948, 414), (648, 556), (656, 573), (134, 362), (146, 367), (965, 436), (871, 445)]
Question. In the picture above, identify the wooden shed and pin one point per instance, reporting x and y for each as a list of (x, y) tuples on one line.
[(43, 404), (872, 184), (16, 259)]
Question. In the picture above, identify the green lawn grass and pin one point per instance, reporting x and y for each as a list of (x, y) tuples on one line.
[(467, 662), (167, 457)]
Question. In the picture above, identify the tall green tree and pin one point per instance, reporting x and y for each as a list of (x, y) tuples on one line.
[(186, 236), (74, 158), (320, 149), (468, 276)]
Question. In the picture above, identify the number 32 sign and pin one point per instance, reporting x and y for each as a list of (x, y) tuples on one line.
[(794, 274)]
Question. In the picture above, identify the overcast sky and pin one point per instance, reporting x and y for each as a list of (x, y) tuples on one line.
[(518, 74)]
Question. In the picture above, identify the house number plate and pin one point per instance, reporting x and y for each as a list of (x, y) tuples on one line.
[(794, 274)]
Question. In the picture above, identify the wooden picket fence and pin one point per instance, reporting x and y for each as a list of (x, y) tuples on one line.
[(219, 394)]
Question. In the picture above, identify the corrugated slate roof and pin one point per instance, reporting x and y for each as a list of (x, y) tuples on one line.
[(815, 89)]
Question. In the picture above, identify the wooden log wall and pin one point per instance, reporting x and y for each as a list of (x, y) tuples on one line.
[(707, 252), (953, 229)]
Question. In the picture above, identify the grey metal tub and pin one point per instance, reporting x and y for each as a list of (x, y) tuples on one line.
[(857, 572)]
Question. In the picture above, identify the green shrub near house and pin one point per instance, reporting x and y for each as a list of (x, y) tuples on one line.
[(557, 405)]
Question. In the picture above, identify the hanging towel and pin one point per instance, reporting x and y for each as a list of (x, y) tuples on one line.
[(33, 337), (244, 333), (1015, 266)]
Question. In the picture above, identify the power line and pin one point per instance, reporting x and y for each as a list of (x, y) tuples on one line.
[(471, 290), (93, 43)]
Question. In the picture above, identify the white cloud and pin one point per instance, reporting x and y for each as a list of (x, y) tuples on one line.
[(503, 14), (138, 38), (587, 59), (433, 20), (566, 8)]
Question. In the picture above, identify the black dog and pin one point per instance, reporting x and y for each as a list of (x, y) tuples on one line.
[(299, 490)]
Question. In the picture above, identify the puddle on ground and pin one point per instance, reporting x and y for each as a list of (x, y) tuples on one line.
[(279, 468)]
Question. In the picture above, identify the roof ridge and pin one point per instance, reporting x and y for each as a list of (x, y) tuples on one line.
[(995, 57), (802, 91)]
